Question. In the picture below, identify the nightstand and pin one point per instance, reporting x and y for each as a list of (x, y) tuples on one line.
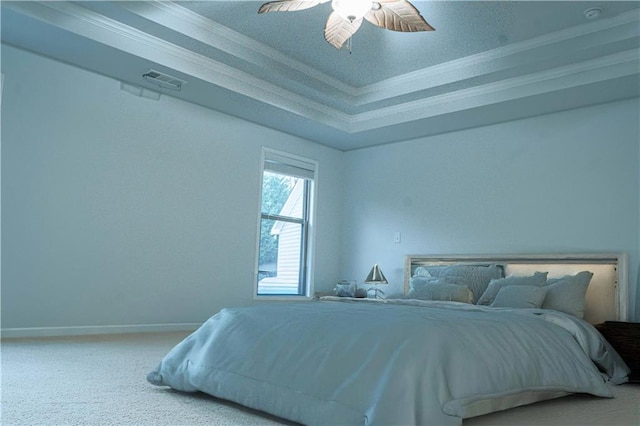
[(625, 339)]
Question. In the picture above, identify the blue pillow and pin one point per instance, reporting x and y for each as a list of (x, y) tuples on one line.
[(566, 294), (520, 296), (494, 287), (448, 292)]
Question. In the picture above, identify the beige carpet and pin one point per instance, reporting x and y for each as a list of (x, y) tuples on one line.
[(100, 380)]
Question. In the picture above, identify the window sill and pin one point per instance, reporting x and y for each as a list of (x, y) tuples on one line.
[(282, 297)]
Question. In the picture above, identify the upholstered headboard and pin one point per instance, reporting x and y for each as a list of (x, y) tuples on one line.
[(607, 295)]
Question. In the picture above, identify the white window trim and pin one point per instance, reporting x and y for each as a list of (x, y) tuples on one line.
[(311, 228)]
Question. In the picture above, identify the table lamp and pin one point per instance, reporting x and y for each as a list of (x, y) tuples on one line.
[(376, 277)]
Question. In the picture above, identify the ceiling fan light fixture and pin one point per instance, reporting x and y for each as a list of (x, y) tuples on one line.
[(348, 15), (352, 10)]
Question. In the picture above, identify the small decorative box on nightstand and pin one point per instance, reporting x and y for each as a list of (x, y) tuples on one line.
[(625, 339)]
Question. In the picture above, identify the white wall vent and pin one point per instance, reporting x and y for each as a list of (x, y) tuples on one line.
[(165, 81)]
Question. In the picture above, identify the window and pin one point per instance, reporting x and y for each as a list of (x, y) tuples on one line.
[(285, 225)]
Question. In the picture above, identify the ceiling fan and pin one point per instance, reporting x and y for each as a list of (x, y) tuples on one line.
[(347, 15)]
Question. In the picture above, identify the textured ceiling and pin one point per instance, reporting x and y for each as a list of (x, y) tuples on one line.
[(486, 62)]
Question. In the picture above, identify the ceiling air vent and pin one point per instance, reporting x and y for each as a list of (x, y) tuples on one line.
[(163, 80)]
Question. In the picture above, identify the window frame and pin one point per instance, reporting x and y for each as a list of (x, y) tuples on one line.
[(305, 273)]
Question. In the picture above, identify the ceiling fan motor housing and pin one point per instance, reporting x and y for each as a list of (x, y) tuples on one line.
[(352, 10)]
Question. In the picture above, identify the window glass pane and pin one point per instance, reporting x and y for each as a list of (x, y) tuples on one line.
[(279, 258), (282, 195), (285, 214), (268, 257)]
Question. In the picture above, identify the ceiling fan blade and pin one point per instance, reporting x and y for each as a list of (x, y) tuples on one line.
[(338, 30), (398, 15), (289, 5)]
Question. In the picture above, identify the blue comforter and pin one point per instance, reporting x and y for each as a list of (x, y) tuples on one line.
[(395, 362)]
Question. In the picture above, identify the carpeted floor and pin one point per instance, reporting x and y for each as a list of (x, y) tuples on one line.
[(100, 380)]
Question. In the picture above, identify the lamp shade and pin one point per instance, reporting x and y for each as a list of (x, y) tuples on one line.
[(376, 276)]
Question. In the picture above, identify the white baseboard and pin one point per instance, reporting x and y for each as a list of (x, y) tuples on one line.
[(99, 329)]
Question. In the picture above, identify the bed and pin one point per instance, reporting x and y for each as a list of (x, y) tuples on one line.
[(434, 356)]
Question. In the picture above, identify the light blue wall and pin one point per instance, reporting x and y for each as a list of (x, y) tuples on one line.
[(565, 182), (119, 210)]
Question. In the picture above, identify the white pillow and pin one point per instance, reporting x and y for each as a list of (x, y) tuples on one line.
[(421, 271), (476, 277), (520, 296), (418, 281)]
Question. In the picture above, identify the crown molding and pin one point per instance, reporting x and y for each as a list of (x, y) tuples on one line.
[(97, 27), (112, 33), (182, 20), (592, 71), (252, 51), (500, 58)]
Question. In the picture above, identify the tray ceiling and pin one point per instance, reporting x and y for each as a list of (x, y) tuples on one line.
[(486, 62)]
